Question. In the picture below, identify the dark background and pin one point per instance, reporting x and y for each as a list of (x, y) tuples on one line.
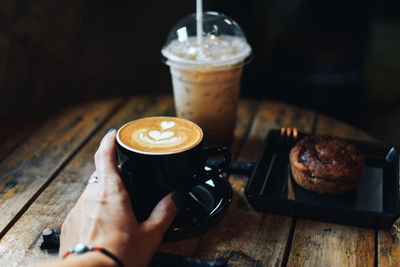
[(338, 57)]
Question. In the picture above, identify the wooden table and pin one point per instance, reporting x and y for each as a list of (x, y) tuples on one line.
[(45, 162)]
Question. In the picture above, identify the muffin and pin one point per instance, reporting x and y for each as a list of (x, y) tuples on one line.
[(326, 164)]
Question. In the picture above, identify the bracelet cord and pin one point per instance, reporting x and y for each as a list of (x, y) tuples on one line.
[(82, 248)]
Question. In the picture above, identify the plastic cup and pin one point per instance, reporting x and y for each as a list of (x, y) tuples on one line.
[(206, 77)]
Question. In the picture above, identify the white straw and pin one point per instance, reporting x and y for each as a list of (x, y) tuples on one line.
[(199, 20)]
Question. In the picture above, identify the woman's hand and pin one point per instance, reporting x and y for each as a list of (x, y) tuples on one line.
[(103, 215)]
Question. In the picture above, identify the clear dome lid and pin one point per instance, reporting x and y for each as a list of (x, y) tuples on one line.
[(222, 43)]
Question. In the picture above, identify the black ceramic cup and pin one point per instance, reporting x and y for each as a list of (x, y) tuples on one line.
[(148, 177)]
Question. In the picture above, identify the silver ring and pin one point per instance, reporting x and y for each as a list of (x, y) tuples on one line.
[(93, 179)]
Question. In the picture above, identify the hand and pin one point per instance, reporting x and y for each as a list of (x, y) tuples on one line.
[(103, 215)]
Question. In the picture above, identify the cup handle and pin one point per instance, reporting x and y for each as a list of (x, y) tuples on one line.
[(204, 174)]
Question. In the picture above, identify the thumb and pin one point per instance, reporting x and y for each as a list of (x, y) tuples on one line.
[(164, 213)]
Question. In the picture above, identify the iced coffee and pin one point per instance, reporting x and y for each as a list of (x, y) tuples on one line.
[(206, 76)]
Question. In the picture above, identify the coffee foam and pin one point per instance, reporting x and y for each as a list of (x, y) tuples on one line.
[(159, 135), (214, 52)]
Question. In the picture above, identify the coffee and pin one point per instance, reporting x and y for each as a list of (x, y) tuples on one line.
[(159, 135), (206, 74), (209, 98), (158, 155)]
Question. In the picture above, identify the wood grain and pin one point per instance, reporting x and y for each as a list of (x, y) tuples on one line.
[(14, 133), (60, 152), (389, 246), (332, 126), (324, 244), (245, 237), (26, 171), (246, 113), (21, 245)]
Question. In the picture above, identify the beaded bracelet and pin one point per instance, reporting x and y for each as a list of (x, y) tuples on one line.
[(82, 248)]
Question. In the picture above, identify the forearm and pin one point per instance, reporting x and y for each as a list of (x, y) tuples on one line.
[(89, 259)]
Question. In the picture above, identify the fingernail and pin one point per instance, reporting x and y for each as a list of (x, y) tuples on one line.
[(111, 129), (177, 198)]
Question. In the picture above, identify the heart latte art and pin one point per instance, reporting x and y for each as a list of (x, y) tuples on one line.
[(160, 135)]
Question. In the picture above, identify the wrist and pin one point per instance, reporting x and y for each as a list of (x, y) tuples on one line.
[(83, 249), (92, 258)]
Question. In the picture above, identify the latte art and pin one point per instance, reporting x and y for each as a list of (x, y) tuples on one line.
[(167, 124), (156, 135), (157, 138), (160, 135)]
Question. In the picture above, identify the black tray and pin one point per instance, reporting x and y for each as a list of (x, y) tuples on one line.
[(374, 204)]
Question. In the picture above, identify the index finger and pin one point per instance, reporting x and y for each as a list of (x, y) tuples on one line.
[(104, 158), (106, 163)]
